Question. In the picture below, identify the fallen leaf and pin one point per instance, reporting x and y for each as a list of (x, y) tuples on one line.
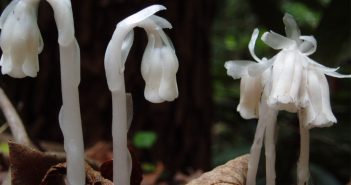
[(29, 166), (55, 174), (231, 173), (183, 178)]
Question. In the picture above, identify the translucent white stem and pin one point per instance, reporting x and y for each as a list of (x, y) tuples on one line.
[(269, 142), (121, 159), (266, 116), (69, 118), (114, 66), (302, 165)]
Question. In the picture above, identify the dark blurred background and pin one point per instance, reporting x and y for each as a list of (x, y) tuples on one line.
[(201, 128)]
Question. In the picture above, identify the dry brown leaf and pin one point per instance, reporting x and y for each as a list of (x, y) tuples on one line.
[(28, 166), (55, 174), (231, 173), (184, 178)]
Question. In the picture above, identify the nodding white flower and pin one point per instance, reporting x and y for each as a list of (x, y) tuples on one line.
[(289, 81), (159, 64), (292, 77), (20, 39), (158, 68)]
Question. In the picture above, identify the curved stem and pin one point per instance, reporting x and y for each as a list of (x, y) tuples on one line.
[(266, 116), (114, 67), (69, 118)]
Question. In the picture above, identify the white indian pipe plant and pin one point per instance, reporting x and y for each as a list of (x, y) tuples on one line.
[(69, 116), (21, 43), (289, 81), (158, 69), (20, 39)]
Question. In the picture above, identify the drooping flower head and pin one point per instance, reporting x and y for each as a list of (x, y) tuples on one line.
[(20, 39), (289, 80), (159, 63)]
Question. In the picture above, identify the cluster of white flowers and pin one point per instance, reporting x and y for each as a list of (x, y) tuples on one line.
[(289, 81)]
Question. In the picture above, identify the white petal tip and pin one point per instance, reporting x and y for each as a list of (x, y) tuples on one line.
[(141, 15), (153, 97), (247, 114)]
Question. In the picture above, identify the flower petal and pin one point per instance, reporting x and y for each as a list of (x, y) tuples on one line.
[(327, 70), (142, 14), (161, 22), (6, 63), (282, 81), (252, 44), (153, 77), (168, 89), (250, 95), (10, 7), (321, 67), (238, 68), (308, 46), (291, 29), (297, 79), (64, 20), (258, 68), (165, 39), (337, 75), (277, 41), (30, 65), (145, 63), (318, 113), (151, 71)]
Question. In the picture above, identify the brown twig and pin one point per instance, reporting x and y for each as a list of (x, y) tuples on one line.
[(14, 121)]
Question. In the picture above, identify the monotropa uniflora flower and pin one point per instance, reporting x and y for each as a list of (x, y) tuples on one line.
[(159, 67), (20, 39), (289, 81)]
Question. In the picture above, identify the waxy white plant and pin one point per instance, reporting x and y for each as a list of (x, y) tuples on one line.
[(69, 117), (21, 43), (158, 68), (289, 81), (20, 39)]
